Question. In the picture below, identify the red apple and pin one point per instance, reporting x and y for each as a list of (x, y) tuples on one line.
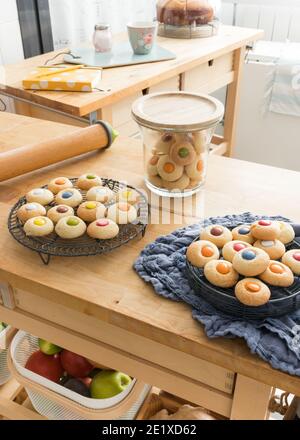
[(75, 365), (86, 381), (47, 366)]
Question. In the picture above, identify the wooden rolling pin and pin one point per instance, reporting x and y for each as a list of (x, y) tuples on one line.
[(32, 157)]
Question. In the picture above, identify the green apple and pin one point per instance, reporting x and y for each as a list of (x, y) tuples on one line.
[(108, 384), (48, 348), (2, 326)]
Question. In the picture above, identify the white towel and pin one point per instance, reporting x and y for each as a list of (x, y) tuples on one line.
[(285, 92)]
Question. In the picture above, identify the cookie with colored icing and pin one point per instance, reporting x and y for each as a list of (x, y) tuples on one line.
[(88, 181), (179, 185), (59, 184), (128, 195), (243, 233), (30, 210), (58, 212), (274, 248), (38, 227), (156, 181), (221, 273), (40, 195), (252, 292), (101, 194), (168, 170), (278, 274), (201, 141), (164, 144), (70, 197), (70, 228), (122, 213), (251, 262), (287, 233), (265, 230), (90, 211), (103, 229), (196, 169), (292, 260), (233, 247), (199, 253), (183, 153), (217, 234), (152, 165), (195, 184)]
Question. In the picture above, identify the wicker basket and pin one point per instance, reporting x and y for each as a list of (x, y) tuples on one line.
[(5, 337), (58, 403)]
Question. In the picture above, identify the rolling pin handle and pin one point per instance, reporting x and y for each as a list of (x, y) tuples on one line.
[(111, 133)]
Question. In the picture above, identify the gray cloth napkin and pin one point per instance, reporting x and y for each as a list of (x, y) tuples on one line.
[(163, 264)]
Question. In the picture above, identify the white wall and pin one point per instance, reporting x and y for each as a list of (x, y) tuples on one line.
[(278, 18), (11, 49), (73, 21)]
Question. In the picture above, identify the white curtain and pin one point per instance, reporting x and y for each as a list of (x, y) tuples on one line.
[(73, 21)]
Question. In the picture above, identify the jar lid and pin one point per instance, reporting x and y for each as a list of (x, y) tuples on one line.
[(102, 27), (180, 111)]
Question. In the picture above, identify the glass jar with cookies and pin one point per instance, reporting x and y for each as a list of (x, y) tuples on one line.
[(177, 128)]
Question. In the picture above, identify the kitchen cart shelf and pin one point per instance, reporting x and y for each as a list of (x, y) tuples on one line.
[(14, 404), (158, 400)]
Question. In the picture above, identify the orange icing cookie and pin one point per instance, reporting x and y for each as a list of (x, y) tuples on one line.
[(278, 274), (201, 252), (122, 213), (59, 184), (169, 170), (221, 273), (196, 169), (252, 292)]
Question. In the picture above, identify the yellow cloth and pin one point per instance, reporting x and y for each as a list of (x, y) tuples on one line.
[(63, 79)]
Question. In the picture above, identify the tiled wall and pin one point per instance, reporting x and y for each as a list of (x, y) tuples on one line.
[(278, 18), (11, 49)]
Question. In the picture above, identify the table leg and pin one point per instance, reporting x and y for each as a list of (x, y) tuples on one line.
[(105, 114), (250, 400), (232, 101)]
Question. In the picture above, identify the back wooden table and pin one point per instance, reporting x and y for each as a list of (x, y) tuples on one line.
[(101, 308), (202, 65)]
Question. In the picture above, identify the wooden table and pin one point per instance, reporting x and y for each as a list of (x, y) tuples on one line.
[(202, 65), (100, 307)]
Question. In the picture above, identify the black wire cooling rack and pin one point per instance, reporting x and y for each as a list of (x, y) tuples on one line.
[(53, 245), (283, 300)]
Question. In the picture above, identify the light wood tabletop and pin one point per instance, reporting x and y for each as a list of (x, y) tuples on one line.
[(125, 81), (106, 288)]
